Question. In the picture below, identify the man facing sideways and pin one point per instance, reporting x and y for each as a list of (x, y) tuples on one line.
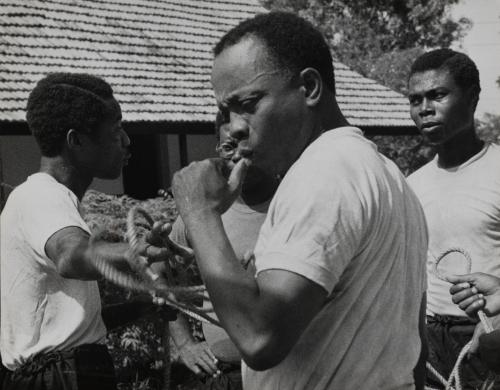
[(52, 331), (460, 193), (339, 284), (217, 360)]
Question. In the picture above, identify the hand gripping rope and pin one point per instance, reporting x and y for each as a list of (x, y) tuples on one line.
[(145, 279), (454, 381)]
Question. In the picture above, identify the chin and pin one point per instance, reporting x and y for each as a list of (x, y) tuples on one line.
[(110, 175)]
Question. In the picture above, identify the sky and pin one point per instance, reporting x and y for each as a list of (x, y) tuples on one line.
[(482, 44)]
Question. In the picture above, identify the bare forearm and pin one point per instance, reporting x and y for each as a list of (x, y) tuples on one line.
[(253, 320), (82, 262)]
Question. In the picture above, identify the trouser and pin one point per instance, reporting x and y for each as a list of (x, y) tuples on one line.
[(446, 336), (87, 367), (229, 379)]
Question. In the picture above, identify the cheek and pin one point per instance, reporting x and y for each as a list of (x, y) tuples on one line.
[(414, 114)]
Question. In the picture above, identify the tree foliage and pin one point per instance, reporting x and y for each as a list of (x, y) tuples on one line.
[(488, 128), (379, 38)]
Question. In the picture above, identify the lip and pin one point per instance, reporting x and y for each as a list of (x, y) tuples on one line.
[(429, 126), (126, 158)]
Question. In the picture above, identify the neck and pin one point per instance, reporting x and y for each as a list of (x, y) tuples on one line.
[(459, 149), (66, 174), (333, 117), (259, 193)]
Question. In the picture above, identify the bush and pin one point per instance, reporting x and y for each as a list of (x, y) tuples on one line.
[(138, 350)]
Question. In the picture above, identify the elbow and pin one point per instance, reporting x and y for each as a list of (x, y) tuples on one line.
[(264, 352), (65, 269), (72, 267)]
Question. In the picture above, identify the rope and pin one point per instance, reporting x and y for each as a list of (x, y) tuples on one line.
[(482, 316), (146, 280), (454, 382)]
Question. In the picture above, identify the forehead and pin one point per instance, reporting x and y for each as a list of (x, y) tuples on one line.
[(431, 79), (113, 110), (241, 67)]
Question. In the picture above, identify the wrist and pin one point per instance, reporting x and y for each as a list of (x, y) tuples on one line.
[(185, 343), (194, 217)]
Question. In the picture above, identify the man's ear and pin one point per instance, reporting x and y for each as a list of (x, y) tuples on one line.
[(313, 86), (73, 139)]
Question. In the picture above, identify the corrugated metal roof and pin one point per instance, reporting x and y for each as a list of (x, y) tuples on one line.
[(157, 55)]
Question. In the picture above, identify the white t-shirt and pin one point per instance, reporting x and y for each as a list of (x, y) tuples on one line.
[(40, 310), (345, 218), (462, 207)]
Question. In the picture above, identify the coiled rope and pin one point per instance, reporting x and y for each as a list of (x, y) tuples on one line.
[(146, 279), (454, 381)]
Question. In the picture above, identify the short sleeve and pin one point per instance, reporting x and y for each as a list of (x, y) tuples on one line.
[(315, 224), (47, 212)]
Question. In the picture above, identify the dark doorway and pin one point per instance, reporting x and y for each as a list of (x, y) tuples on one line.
[(141, 177)]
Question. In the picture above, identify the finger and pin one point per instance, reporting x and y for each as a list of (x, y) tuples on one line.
[(472, 310), (195, 369), (238, 174), (464, 294), (459, 287), (460, 278), (200, 362), (180, 250), (210, 362), (155, 254), (469, 301), (154, 235), (211, 355), (166, 228)]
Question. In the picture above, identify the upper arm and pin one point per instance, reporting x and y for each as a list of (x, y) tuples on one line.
[(289, 304), (290, 296), (66, 248)]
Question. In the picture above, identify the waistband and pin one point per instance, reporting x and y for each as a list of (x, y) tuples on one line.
[(39, 361), (451, 320)]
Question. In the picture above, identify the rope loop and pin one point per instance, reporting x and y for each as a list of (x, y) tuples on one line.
[(454, 381), (145, 279)]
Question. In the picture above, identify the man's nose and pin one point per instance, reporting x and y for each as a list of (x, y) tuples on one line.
[(427, 107), (238, 127), (125, 139)]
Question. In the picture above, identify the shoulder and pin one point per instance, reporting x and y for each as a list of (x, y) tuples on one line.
[(335, 152), (421, 174)]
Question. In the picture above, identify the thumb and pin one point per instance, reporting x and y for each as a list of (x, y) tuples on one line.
[(459, 278), (238, 174)]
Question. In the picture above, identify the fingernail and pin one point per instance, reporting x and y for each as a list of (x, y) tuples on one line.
[(474, 290)]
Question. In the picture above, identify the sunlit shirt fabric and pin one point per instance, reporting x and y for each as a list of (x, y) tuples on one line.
[(462, 208), (345, 218), (40, 310)]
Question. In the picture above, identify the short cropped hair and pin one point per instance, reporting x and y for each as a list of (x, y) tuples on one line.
[(293, 43), (63, 101), (461, 67)]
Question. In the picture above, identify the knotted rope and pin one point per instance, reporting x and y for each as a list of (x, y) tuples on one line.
[(147, 280), (454, 381)]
